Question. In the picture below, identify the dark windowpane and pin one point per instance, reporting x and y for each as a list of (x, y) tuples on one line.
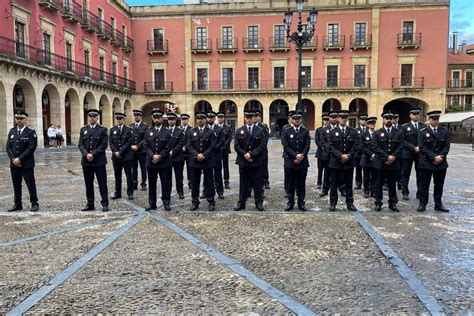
[(158, 39), (360, 31), (253, 78), (253, 41), (69, 56), (227, 78), (159, 79), (86, 63), (201, 38), (20, 39), (280, 36), (227, 37), (202, 79), (331, 76), (101, 67), (406, 75), (278, 77), (306, 76), (333, 35), (47, 48), (408, 29), (359, 75)]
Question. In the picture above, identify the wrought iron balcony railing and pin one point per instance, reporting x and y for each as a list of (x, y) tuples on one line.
[(408, 40), (359, 41), (157, 47), (252, 44), (158, 87), (334, 42), (408, 83)]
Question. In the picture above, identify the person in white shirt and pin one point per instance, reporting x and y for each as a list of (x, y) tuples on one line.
[(59, 136), (51, 135)]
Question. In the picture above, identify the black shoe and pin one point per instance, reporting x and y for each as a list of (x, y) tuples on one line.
[(202, 196), (130, 197), (421, 208), (289, 206), (405, 197), (302, 207), (15, 208), (211, 208), (227, 186), (135, 188), (194, 207), (115, 196), (240, 206), (88, 208), (323, 194), (221, 196), (267, 186), (358, 187), (34, 208), (378, 208), (441, 208), (150, 208), (105, 208), (143, 187), (343, 193), (366, 195), (332, 208), (351, 207), (181, 196), (318, 186), (166, 206), (259, 207), (394, 208), (385, 187)]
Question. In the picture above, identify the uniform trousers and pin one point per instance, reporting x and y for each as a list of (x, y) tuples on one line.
[(28, 174), (139, 159), (296, 182), (406, 172), (101, 175), (250, 176), (166, 183), (178, 167), (126, 165), (369, 180), (339, 178), (438, 179), (225, 166), (209, 190), (390, 176)]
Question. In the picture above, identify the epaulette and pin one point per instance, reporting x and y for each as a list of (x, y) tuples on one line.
[(422, 129)]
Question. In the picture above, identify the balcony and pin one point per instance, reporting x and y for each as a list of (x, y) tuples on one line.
[(408, 40), (158, 87), (157, 47), (460, 84), (90, 22), (361, 41), (128, 45), (334, 42), (118, 39), (311, 45), (63, 66), (252, 45), (71, 11), (227, 45), (279, 44), (52, 5), (407, 84), (199, 46)]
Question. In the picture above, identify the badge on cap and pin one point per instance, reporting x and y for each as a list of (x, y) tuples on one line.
[(428, 135), (151, 133), (382, 135), (409, 129), (85, 132), (115, 132), (337, 134), (195, 134), (291, 136)]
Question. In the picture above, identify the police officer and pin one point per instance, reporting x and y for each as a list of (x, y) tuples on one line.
[(367, 158), (93, 140), (285, 176), (218, 182), (186, 131), (434, 145), (176, 152), (296, 143), (360, 130), (139, 129), (226, 131), (325, 152), (318, 135), (266, 130), (201, 146), (411, 152), (120, 142), (387, 147), (249, 144), (395, 124), (343, 145), (21, 146), (158, 144)]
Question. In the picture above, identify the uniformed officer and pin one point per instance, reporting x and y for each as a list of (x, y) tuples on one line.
[(367, 158), (220, 141), (387, 147), (249, 144), (187, 132), (360, 130), (296, 143), (120, 141), (343, 145), (176, 152), (411, 152), (139, 129), (395, 124), (285, 176), (93, 140), (266, 130), (158, 144), (21, 146), (434, 144), (201, 146), (318, 135), (227, 132), (325, 153)]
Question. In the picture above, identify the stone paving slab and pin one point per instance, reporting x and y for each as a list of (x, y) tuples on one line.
[(439, 250), (166, 275), (326, 262), (28, 266)]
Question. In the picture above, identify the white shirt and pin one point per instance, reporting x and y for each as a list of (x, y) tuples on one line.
[(58, 131), (51, 132), (93, 126), (20, 129)]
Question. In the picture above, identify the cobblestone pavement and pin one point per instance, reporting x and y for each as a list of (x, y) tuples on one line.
[(324, 261)]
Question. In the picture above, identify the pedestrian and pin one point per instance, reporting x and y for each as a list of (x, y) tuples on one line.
[(21, 145), (360, 130), (367, 158), (139, 129), (343, 145), (187, 132), (51, 133), (93, 140), (120, 141), (249, 144), (266, 130), (158, 144), (228, 134), (296, 143), (318, 135), (434, 144), (176, 153), (387, 145), (220, 141), (59, 136), (411, 152)]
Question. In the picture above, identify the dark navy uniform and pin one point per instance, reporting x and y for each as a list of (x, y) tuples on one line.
[(187, 156), (318, 135), (266, 176), (22, 144), (120, 140), (227, 132), (139, 156), (409, 156), (359, 170), (177, 157), (217, 172), (366, 162)]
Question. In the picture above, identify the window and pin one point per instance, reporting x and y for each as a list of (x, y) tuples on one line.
[(68, 56), (227, 78), (306, 76), (100, 15), (125, 75), (158, 39), (252, 75), (469, 79), (67, 5), (406, 74), (331, 75), (407, 36), (101, 67), (159, 79), (333, 35), (113, 23), (202, 79), (114, 72), (280, 36), (47, 48), (455, 100), (468, 102), (278, 77), (20, 39), (253, 38), (201, 38), (309, 43), (456, 79), (86, 63), (227, 41), (359, 75), (360, 34)]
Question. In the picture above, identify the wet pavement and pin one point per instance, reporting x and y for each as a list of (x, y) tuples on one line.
[(325, 262)]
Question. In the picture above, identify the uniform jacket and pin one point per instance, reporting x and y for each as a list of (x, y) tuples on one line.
[(177, 143), (255, 144), (411, 140), (205, 144), (226, 131), (158, 143), (318, 135), (139, 136), (360, 131), (339, 144), (95, 141), (432, 146), (324, 142), (384, 145), (294, 144), (366, 150), (266, 132), (22, 146), (121, 142), (218, 132), (187, 133)]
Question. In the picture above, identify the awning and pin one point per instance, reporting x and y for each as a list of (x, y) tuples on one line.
[(456, 117)]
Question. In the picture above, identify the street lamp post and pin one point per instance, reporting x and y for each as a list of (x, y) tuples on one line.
[(300, 38)]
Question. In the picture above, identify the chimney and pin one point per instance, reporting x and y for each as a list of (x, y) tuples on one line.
[(455, 42), (464, 47)]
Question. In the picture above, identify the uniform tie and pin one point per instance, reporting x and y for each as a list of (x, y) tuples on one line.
[(297, 130), (19, 131), (435, 131), (416, 126), (388, 131), (343, 131), (249, 128), (200, 130)]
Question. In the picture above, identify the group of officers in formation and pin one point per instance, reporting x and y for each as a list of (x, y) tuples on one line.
[(382, 158)]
